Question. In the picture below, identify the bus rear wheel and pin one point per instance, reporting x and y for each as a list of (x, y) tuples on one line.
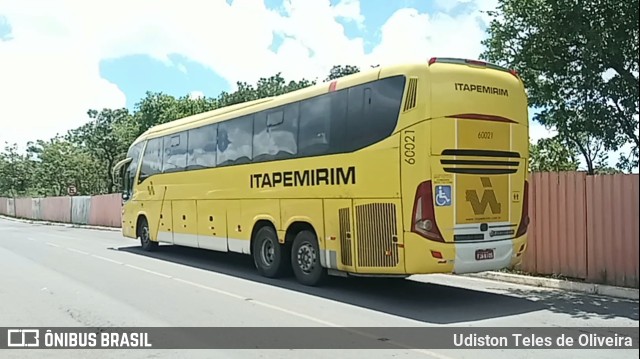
[(268, 254), (305, 259), (145, 236)]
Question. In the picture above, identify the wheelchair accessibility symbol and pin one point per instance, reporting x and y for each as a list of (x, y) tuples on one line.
[(443, 196)]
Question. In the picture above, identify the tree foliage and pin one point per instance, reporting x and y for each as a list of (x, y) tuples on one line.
[(339, 71), (551, 155), (579, 60)]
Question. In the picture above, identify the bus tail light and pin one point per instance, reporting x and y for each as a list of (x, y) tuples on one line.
[(524, 219), (423, 221)]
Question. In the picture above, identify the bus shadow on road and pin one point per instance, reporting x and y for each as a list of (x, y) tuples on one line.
[(424, 302), (582, 305)]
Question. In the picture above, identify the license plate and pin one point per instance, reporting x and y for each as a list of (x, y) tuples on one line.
[(484, 254)]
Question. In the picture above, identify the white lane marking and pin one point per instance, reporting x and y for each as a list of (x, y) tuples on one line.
[(107, 259), (77, 251), (148, 271), (30, 239), (52, 244), (201, 286), (310, 318)]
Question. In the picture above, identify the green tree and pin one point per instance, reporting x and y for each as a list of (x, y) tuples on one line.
[(265, 87), (338, 71), (551, 155), (159, 108), (15, 171), (60, 163), (580, 64), (101, 140)]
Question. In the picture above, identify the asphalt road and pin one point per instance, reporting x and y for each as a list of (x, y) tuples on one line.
[(56, 276)]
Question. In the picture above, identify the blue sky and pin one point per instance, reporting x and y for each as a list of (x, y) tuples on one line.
[(136, 74)]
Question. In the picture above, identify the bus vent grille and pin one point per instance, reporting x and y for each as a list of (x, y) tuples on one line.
[(377, 235), (345, 236), (489, 163), (412, 94)]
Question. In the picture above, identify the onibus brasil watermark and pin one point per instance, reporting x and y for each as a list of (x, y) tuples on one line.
[(433, 337), (26, 338)]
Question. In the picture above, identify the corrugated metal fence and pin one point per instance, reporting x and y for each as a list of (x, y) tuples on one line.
[(582, 226)]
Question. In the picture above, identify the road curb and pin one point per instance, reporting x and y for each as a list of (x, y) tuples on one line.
[(68, 225), (590, 288)]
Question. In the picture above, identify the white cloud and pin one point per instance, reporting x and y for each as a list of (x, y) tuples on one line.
[(412, 36), (50, 76), (47, 83)]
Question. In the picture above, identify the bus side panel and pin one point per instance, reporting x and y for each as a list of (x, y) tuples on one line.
[(415, 166), (185, 221), (166, 228), (151, 210), (239, 240), (305, 210), (339, 240), (260, 209), (378, 234), (420, 259), (129, 210), (212, 225)]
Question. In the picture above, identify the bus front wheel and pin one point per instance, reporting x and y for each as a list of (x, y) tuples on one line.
[(145, 236), (305, 259), (268, 253)]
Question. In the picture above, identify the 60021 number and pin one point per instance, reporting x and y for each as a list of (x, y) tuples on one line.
[(409, 146)]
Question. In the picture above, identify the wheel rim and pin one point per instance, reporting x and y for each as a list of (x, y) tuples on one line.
[(145, 234), (267, 252), (306, 257)]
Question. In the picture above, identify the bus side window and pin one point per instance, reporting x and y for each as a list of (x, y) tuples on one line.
[(314, 137), (373, 112), (357, 131), (152, 159), (235, 141), (275, 134), (201, 149), (132, 170), (175, 153), (339, 139)]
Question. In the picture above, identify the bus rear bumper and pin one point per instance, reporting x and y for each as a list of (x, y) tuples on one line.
[(424, 257), (469, 256)]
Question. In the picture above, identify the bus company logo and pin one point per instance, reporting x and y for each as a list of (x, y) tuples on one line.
[(311, 177), (481, 89), (23, 338), (488, 199)]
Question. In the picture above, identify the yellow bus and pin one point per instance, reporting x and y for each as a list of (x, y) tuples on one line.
[(400, 170)]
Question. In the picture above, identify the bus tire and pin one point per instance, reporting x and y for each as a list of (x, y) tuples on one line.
[(145, 236), (268, 253), (305, 259)]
